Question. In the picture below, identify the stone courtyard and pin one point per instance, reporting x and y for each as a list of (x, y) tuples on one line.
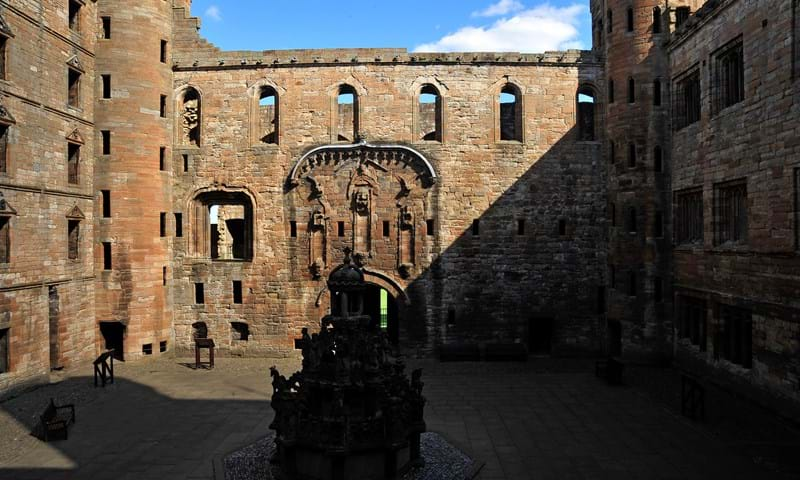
[(542, 419)]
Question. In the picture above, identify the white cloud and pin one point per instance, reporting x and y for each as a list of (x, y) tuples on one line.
[(214, 13), (500, 8), (537, 29)]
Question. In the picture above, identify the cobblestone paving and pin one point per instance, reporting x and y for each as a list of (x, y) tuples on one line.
[(542, 419)]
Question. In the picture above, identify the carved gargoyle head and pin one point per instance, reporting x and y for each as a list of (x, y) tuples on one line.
[(362, 201)]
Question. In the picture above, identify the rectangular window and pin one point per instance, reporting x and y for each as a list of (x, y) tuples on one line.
[(658, 290), (386, 228), (612, 210), (73, 161), (106, 134), (106, 255), (737, 335), (179, 225), (199, 294), (5, 239), (601, 300), (681, 16), (4, 148), (162, 106), (631, 155), (3, 56), (293, 229), (692, 320), (656, 93), (106, 85), (162, 158), (658, 225), (162, 346), (729, 75), (163, 56), (106, 194), (162, 228), (429, 227), (147, 349), (797, 208), (688, 99), (562, 227), (73, 238), (632, 287), (340, 228), (633, 226), (476, 227), (73, 88), (185, 163), (106, 27), (5, 361), (237, 291), (521, 226), (688, 216), (730, 213), (164, 276), (74, 15)]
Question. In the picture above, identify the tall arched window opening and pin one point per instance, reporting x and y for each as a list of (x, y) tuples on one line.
[(347, 114), (190, 111), (510, 113), (267, 115), (430, 114), (657, 20), (586, 114)]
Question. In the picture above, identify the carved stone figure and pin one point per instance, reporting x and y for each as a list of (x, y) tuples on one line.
[(190, 120)]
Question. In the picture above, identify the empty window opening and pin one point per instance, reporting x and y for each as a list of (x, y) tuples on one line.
[(386, 228), (163, 52), (73, 88), (601, 300), (658, 225), (74, 16), (4, 131), (268, 115), (164, 276), (106, 194), (106, 27), (691, 321), (586, 114), (631, 155), (476, 227), (147, 349), (658, 287), (562, 227), (632, 227), (657, 20), (162, 158), (384, 309), (681, 16), (730, 212), (510, 113), (611, 91), (632, 284), (658, 159), (451, 317), (631, 90), (199, 294), (5, 361), (630, 19), (106, 134), (179, 225), (688, 100), (521, 226), (340, 229), (185, 162), (237, 291), (737, 335), (73, 238), (113, 334), (347, 114), (199, 330), (5, 239), (162, 226), (612, 210), (729, 76), (429, 227), (162, 106), (3, 56), (688, 217), (240, 331), (430, 114), (190, 117), (657, 93), (610, 20), (231, 230), (106, 79), (107, 256), (162, 346)]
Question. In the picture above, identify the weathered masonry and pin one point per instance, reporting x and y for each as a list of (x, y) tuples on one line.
[(639, 199)]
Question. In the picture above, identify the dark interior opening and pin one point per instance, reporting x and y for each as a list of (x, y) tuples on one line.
[(383, 310), (113, 334), (540, 333), (614, 338)]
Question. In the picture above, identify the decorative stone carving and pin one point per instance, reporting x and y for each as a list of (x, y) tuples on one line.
[(5, 116), (5, 29), (75, 213), (75, 137), (75, 63), (190, 121)]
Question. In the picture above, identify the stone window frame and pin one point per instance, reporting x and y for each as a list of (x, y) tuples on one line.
[(658, 21), (684, 116), (7, 122), (74, 142), (685, 203), (178, 103), (508, 82), (74, 217), (731, 226), (583, 88), (692, 320), (733, 341), (5, 41), (75, 27), (254, 94), (199, 227), (359, 93), (7, 213), (728, 81), (796, 186), (418, 87)]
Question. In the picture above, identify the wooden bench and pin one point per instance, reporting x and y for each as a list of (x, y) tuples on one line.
[(693, 398), (506, 352), (104, 368), (454, 352), (56, 419), (611, 369)]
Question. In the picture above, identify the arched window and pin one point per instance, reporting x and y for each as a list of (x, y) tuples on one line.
[(346, 126), (190, 111), (631, 90), (657, 93), (510, 113), (429, 121), (657, 20), (223, 226), (586, 114), (267, 118), (630, 19), (610, 20)]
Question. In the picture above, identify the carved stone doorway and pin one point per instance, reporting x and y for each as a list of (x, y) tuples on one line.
[(382, 307)]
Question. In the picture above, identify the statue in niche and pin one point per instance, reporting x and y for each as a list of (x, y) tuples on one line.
[(190, 120), (405, 254), (317, 191), (317, 244), (362, 201)]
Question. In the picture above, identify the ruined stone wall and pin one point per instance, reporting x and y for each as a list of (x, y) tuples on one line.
[(38, 195), (754, 141), (496, 281)]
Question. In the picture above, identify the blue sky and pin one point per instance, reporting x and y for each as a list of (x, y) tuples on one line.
[(422, 25)]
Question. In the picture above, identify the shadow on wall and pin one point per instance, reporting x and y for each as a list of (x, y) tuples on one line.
[(135, 427)]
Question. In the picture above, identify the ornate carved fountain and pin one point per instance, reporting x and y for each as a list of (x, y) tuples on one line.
[(351, 412)]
